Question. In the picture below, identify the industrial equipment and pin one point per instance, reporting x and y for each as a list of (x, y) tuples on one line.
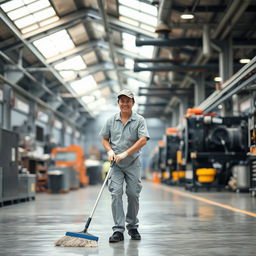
[(170, 164), (252, 145), (155, 163), (72, 156), (62, 179), (27, 186), (9, 163), (212, 142), (1, 186)]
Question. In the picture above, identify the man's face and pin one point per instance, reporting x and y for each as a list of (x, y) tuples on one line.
[(125, 103)]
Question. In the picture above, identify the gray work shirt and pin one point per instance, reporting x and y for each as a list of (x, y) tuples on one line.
[(122, 137)]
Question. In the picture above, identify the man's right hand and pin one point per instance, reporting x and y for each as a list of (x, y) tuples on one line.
[(111, 155)]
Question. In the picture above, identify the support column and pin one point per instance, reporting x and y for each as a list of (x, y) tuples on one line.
[(32, 117), (13, 77), (199, 89), (63, 135), (226, 71), (183, 107), (175, 115)]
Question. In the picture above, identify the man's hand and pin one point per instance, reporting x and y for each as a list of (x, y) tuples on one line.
[(111, 155), (121, 156)]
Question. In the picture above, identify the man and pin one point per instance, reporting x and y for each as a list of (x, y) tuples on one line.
[(123, 135)]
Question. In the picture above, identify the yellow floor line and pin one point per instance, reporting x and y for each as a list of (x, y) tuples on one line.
[(228, 207)]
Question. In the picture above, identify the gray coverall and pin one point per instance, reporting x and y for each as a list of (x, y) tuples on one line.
[(122, 137)]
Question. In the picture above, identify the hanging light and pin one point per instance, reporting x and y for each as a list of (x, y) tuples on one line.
[(187, 16), (217, 79), (244, 61)]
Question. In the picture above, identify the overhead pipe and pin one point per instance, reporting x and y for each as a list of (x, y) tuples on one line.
[(242, 7), (176, 68), (206, 41), (195, 42), (156, 60), (226, 18), (161, 95), (164, 89)]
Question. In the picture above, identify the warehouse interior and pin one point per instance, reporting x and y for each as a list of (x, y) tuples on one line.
[(191, 65)]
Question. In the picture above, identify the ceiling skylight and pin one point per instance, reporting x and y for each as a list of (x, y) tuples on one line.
[(68, 67), (29, 15), (129, 44), (138, 14), (140, 6), (84, 85), (54, 44)]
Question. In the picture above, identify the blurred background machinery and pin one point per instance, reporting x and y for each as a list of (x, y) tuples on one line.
[(212, 146)]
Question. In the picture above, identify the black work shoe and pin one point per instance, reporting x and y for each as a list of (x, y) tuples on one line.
[(116, 237), (135, 235)]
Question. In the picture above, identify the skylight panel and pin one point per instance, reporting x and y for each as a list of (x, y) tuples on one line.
[(135, 4), (88, 99), (129, 44), (29, 1), (11, 5), (138, 15), (18, 13), (38, 5), (54, 44), (75, 63), (129, 21), (129, 63), (28, 13), (146, 51), (30, 28), (48, 21), (44, 14), (147, 27), (100, 103), (23, 22), (85, 84)]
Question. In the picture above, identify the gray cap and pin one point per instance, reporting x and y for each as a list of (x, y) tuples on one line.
[(127, 93)]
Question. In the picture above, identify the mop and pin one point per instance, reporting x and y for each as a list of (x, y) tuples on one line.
[(83, 239)]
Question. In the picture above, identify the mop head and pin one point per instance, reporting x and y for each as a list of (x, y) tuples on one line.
[(77, 240)]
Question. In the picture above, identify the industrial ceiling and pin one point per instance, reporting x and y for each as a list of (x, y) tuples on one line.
[(75, 55)]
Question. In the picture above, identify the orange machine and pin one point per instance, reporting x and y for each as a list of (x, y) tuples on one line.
[(72, 156)]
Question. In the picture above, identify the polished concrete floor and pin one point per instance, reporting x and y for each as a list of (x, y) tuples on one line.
[(172, 222)]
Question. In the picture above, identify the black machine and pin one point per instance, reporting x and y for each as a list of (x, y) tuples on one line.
[(214, 143), (9, 164), (169, 155), (158, 159)]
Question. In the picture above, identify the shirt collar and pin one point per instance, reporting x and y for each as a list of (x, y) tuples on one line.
[(133, 116)]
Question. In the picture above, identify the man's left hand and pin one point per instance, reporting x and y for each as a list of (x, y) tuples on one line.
[(121, 156)]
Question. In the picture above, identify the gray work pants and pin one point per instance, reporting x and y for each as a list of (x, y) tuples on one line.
[(131, 175)]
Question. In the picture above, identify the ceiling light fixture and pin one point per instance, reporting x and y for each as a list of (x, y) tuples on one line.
[(217, 79), (187, 16), (244, 61)]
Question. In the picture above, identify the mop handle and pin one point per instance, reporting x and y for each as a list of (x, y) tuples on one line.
[(97, 200), (101, 190)]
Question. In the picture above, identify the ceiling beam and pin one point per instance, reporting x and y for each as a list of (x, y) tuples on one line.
[(35, 52)]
